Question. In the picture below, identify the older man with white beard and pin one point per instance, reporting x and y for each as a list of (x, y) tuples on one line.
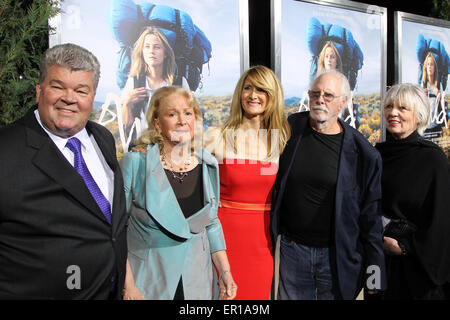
[(325, 202)]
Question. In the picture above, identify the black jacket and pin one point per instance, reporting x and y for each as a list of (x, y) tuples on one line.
[(50, 223)]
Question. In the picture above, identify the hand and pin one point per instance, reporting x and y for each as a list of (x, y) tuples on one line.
[(437, 93), (135, 95), (129, 99), (132, 293), (391, 246), (227, 286)]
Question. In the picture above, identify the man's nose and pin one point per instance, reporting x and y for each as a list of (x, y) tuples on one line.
[(68, 96)]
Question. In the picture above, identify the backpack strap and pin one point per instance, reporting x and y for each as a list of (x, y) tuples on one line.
[(149, 12), (139, 82), (181, 48)]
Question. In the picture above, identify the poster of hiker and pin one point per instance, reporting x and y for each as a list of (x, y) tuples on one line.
[(423, 46), (350, 38), (200, 46)]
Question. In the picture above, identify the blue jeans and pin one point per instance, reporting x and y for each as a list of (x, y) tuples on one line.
[(305, 272)]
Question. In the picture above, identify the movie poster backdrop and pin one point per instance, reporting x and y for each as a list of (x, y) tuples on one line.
[(209, 40), (422, 57), (311, 36)]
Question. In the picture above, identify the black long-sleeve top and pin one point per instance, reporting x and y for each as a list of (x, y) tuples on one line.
[(416, 186)]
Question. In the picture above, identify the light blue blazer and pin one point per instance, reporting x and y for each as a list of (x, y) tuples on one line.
[(162, 244)]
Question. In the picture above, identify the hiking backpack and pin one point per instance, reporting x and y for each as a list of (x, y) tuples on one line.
[(190, 45), (317, 34)]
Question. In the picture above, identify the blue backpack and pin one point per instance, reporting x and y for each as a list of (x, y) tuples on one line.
[(423, 47), (318, 34), (191, 47)]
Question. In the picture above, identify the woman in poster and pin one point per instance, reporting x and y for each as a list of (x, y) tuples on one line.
[(152, 66), (329, 58), (431, 85), (416, 199), (433, 72), (333, 47), (248, 148)]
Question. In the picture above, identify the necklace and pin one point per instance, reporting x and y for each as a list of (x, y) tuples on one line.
[(181, 174)]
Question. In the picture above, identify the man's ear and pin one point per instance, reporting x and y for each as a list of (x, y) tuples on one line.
[(344, 102), (38, 92)]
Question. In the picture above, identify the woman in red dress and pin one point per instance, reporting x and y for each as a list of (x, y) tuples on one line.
[(247, 149)]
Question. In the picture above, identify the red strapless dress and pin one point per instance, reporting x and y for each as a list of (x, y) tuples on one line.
[(245, 194)]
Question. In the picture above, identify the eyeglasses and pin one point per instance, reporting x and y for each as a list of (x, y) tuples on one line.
[(328, 97)]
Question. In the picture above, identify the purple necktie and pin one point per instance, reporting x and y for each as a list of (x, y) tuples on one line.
[(75, 145)]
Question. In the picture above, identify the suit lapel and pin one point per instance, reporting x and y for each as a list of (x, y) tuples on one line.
[(286, 160), (111, 160), (348, 160), (107, 152), (53, 163), (348, 163), (291, 149)]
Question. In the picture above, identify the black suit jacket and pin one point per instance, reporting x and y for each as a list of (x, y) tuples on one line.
[(50, 225)]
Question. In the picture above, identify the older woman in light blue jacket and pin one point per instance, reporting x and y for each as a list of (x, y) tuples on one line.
[(172, 195)]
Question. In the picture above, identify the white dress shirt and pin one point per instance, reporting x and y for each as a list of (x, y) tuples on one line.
[(95, 161)]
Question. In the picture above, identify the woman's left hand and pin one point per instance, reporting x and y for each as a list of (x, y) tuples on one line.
[(227, 286), (391, 246)]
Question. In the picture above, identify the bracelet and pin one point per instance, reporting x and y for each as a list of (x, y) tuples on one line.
[(222, 273)]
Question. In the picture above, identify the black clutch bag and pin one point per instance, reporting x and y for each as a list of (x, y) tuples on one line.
[(399, 229)]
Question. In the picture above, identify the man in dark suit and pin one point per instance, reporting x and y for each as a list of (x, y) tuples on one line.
[(325, 202), (62, 207)]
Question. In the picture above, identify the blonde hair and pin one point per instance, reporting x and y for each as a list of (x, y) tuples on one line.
[(430, 56), (151, 135), (138, 65), (274, 117), (411, 96), (321, 63)]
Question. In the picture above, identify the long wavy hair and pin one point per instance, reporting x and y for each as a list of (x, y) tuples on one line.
[(274, 117), (151, 135), (138, 65)]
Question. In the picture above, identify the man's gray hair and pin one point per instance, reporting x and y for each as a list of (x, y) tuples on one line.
[(72, 57), (345, 90)]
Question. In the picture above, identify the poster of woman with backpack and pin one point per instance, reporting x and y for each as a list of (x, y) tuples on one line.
[(433, 84), (333, 47), (314, 36), (423, 58), (205, 37), (152, 66)]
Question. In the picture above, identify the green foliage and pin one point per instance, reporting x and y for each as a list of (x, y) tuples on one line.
[(23, 38), (441, 9)]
